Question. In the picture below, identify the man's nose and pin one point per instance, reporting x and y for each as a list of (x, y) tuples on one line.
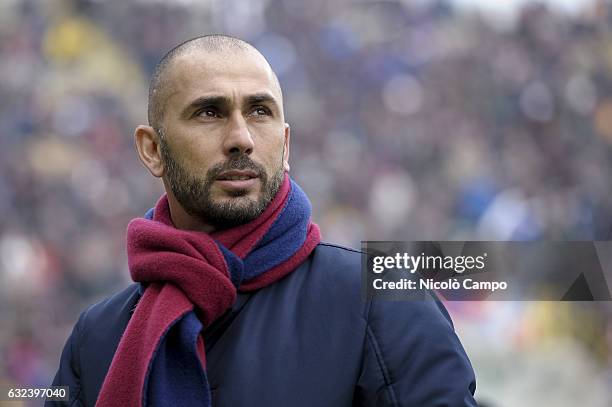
[(238, 139)]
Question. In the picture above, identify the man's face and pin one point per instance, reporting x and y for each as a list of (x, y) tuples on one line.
[(225, 143)]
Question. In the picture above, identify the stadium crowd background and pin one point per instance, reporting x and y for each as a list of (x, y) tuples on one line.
[(410, 121)]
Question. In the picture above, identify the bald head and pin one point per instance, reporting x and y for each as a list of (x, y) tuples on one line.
[(216, 44)]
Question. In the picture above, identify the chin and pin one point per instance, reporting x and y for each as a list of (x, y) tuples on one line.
[(225, 195), (237, 193), (234, 198)]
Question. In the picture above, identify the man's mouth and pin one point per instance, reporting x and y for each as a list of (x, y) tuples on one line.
[(237, 175), (235, 180)]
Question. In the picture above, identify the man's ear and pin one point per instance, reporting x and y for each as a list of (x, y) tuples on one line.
[(286, 147), (149, 149)]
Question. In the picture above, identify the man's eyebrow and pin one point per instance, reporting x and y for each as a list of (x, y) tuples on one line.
[(213, 100), (261, 98), (220, 101)]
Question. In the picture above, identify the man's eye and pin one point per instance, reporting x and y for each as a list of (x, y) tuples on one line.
[(207, 113), (260, 111)]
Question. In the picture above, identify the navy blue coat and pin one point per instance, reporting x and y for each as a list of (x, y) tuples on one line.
[(308, 340)]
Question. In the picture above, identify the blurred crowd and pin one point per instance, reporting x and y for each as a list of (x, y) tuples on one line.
[(410, 121)]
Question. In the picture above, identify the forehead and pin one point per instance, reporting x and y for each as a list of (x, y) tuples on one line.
[(234, 74)]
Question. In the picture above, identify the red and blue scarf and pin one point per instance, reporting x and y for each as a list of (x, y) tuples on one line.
[(191, 279)]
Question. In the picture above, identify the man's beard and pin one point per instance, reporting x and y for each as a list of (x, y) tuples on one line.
[(194, 195)]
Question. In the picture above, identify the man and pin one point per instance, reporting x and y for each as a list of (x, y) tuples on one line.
[(236, 302)]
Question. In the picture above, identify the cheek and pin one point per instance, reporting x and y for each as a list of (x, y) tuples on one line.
[(274, 154), (197, 153)]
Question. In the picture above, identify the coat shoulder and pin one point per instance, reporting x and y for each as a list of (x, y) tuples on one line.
[(334, 278), (112, 307), (341, 262)]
